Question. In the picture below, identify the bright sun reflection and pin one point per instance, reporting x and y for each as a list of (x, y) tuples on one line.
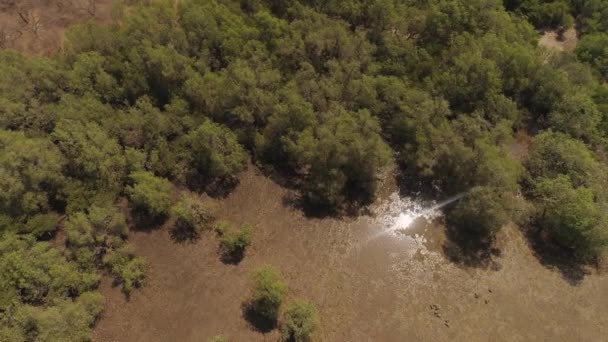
[(401, 212), (403, 221)]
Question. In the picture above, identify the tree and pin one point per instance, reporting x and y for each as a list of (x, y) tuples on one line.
[(470, 80), (267, 293), (340, 158), (96, 164), (572, 216), (482, 212), (98, 229), (577, 115), (212, 152), (42, 225), (39, 273), (43, 297), (150, 194), (31, 176), (299, 321), (593, 49), (553, 154)]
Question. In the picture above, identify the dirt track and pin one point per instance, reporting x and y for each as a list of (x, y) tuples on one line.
[(393, 288)]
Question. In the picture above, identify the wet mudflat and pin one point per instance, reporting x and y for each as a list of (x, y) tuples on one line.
[(369, 283)]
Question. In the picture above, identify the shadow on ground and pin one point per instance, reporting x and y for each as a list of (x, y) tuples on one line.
[(256, 321), (183, 235), (218, 189), (231, 258), (557, 258), (351, 208), (470, 251), (144, 222)]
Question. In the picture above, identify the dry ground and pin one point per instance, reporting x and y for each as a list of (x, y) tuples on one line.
[(393, 288), (38, 26), (552, 40)]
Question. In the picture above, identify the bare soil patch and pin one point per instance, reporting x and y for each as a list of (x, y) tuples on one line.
[(560, 42), (38, 26), (392, 288)]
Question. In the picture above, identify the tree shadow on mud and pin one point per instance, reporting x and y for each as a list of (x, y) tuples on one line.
[(557, 258), (144, 222), (218, 188), (468, 250), (350, 209), (256, 321), (183, 235), (231, 257)]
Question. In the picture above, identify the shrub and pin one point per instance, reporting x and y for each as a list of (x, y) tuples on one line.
[(192, 214), (218, 338), (234, 242), (268, 292), (300, 321), (128, 269)]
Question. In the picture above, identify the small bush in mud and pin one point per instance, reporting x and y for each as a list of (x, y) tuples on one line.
[(233, 241), (267, 293), (218, 338), (300, 321)]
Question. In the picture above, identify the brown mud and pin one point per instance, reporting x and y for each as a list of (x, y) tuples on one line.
[(38, 26), (367, 286)]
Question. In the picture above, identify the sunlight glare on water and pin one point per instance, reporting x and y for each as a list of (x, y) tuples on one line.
[(399, 213)]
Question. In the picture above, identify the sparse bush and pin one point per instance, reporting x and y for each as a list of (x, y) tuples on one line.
[(128, 268), (218, 338), (268, 292), (300, 321), (234, 242), (192, 214)]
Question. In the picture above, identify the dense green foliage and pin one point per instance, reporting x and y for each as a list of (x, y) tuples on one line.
[(150, 194), (324, 95), (43, 297), (589, 15)]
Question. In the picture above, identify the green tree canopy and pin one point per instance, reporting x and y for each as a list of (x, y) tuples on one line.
[(31, 177), (150, 194)]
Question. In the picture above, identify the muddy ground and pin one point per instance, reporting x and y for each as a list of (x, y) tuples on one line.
[(38, 26), (367, 286)]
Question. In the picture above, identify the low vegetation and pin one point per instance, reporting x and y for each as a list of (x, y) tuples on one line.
[(268, 293), (299, 321), (233, 241)]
